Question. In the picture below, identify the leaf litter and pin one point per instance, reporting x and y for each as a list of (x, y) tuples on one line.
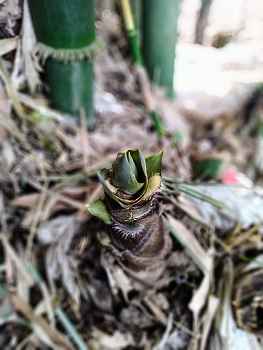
[(63, 285)]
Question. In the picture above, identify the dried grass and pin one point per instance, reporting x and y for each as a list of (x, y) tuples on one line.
[(62, 284)]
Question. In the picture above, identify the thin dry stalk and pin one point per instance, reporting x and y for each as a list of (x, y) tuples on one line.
[(38, 215), (84, 139)]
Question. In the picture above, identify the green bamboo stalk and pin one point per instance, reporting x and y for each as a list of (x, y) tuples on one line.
[(133, 37), (67, 47), (70, 86), (136, 7), (159, 36), (131, 31)]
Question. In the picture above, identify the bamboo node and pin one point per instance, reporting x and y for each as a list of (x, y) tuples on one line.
[(42, 52)]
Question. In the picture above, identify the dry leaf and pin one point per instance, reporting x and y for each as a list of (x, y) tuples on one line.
[(225, 331), (57, 234), (28, 42), (8, 124), (118, 280), (8, 45), (116, 341), (51, 337), (8, 153), (27, 200), (201, 258), (246, 205), (190, 243), (209, 316)]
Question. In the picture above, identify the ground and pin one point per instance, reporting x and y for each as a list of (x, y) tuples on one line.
[(63, 285)]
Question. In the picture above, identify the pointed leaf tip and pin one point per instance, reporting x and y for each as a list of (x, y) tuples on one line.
[(99, 209), (125, 173), (154, 164)]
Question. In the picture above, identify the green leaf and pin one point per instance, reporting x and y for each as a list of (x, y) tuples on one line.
[(140, 164), (125, 174), (110, 189), (99, 209), (207, 168), (129, 183), (191, 191), (158, 124), (154, 185), (154, 164), (133, 166)]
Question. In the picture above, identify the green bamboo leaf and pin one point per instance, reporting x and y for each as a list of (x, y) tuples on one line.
[(133, 166), (71, 329), (129, 183), (125, 174), (154, 164), (157, 123), (99, 209), (189, 190), (154, 185), (111, 190), (140, 164)]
